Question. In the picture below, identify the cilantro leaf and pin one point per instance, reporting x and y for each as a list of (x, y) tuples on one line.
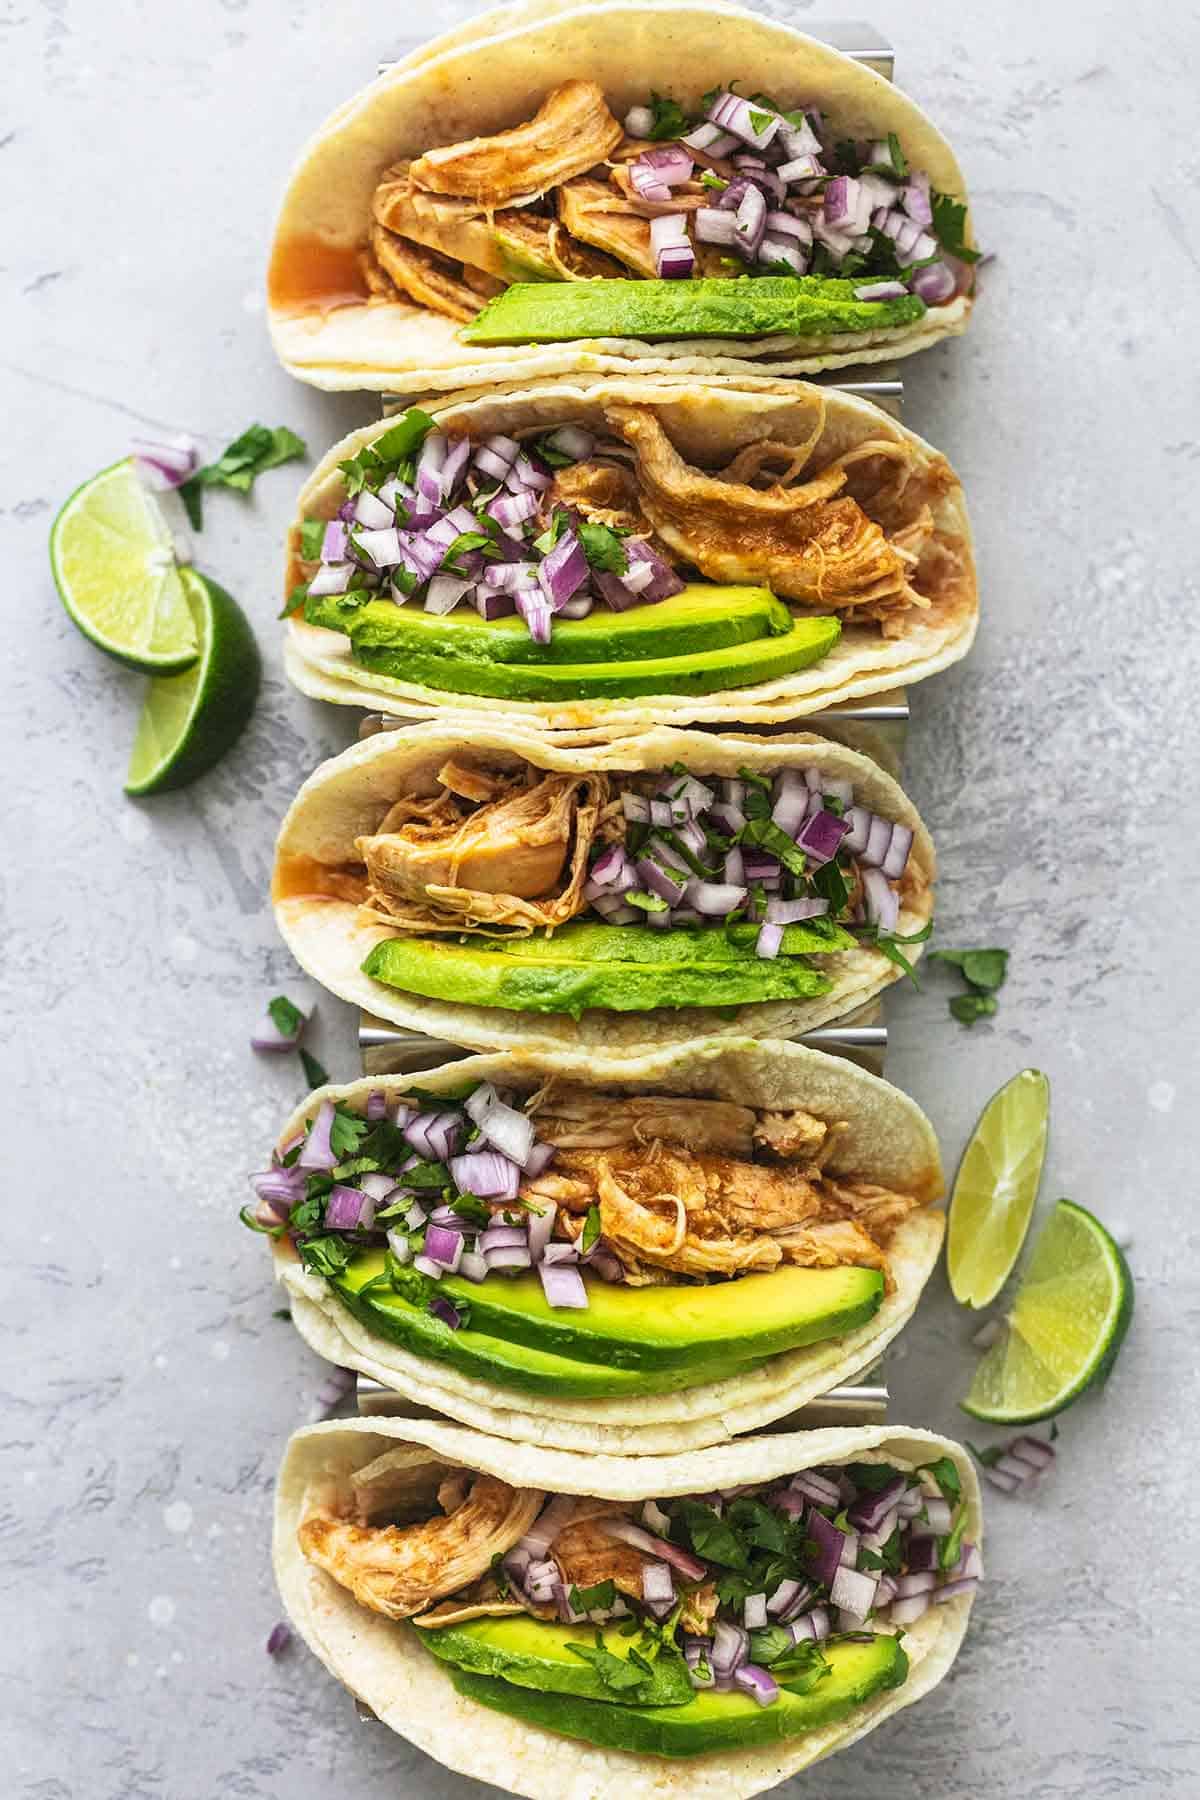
[(950, 226), (669, 117), (500, 1575), (765, 834), (759, 121), (295, 600), (312, 538), (615, 1673), (248, 1219), (651, 903), (469, 1207), (871, 1478), (259, 448), (465, 542), (356, 469), (558, 524), (326, 1255), (770, 1644), (758, 1524), (713, 1538), (986, 969), (803, 1669), (285, 1015), (593, 1599), (986, 1458), (899, 160), (951, 1546), (945, 1473), (888, 942), (346, 1133), (591, 1230), (887, 1558), (603, 548), (968, 1009), (829, 883), (405, 437)]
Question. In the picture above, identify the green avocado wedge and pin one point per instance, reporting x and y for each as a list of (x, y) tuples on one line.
[(528, 1653), (659, 1327), (377, 1305), (743, 306), (857, 1671), (700, 672), (701, 617), (475, 976)]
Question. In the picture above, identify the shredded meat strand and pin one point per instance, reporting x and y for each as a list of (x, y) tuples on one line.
[(571, 131)]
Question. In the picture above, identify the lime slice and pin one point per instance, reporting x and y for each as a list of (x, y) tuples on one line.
[(114, 566), (189, 721), (996, 1188), (1067, 1323)]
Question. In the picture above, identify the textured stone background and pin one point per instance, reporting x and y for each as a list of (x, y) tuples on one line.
[(147, 1388)]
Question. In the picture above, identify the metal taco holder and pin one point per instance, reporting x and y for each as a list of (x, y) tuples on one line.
[(876, 726)]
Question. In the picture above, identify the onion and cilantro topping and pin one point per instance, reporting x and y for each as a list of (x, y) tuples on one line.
[(436, 1180), (790, 197), (448, 523), (772, 851), (751, 1582)]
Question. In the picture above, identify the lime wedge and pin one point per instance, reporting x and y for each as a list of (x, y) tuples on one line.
[(996, 1188), (114, 566), (1067, 1323), (189, 721)]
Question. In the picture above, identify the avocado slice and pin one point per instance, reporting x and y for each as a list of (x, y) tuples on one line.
[(474, 976), (532, 1654), (667, 1327), (711, 1721), (744, 306), (585, 940), (707, 672), (701, 617), (373, 1300)]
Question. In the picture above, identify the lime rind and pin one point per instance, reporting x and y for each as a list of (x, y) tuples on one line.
[(996, 1188), (1066, 1327), (113, 563)]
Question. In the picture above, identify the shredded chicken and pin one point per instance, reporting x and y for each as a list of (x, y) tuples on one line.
[(482, 1600), (571, 131), (579, 1118), (604, 491), (804, 540), (423, 275), (398, 1570), (514, 244), (596, 214), (699, 1610), (586, 1555), (519, 859)]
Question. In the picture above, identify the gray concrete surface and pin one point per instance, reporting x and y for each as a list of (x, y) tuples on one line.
[(147, 1389)]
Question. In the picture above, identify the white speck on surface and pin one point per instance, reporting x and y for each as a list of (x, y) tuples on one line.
[(178, 1516), (132, 1659), (161, 1610), (160, 1361), (133, 825), (220, 1350), (255, 301), (1161, 1095), (184, 949)]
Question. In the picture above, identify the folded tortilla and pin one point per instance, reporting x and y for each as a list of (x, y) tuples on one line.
[(708, 425), (384, 1665), (890, 1142), (495, 72), (317, 896)]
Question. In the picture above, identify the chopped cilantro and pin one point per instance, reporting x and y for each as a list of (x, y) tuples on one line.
[(500, 1575), (647, 902), (829, 883), (757, 803), (985, 969), (709, 180), (888, 942), (986, 1458), (945, 1473), (951, 1547), (759, 1526), (871, 1478), (259, 448), (603, 548), (759, 121), (713, 1538), (252, 1224), (887, 1558), (347, 1132), (558, 524), (669, 117), (765, 834), (282, 1312), (770, 1644), (591, 1229), (899, 160), (467, 1206), (405, 437), (326, 1255), (803, 1668), (593, 1599), (950, 225), (312, 536), (295, 600), (615, 1673)]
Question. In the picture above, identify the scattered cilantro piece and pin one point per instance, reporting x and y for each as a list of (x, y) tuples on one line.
[(312, 537), (551, 455), (558, 524), (713, 1538), (463, 543), (968, 1009), (757, 803), (985, 969), (950, 225), (603, 548), (469, 1207), (285, 1015), (888, 943), (770, 1644), (759, 121), (758, 1525), (426, 1175), (252, 1224), (887, 1558), (647, 902), (987, 1457), (259, 448), (669, 117), (951, 1547), (356, 469), (829, 883), (282, 1312), (500, 1575), (899, 160), (591, 1229), (871, 1478), (709, 180), (802, 1670)]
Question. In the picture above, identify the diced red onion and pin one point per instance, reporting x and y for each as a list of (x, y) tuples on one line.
[(825, 1557), (882, 902), (318, 1150), (711, 138), (750, 222), (907, 1612), (427, 1266), (715, 225), (732, 113), (793, 912), (530, 474), (756, 1682), (577, 607), (754, 1612), (444, 593), (430, 464), (800, 168), (280, 1638), (512, 510), (923, 1552), (443, 1246), (713, 899), (564, 570), (951, 1590), (934, 284), (572, 441), (853, 1591), (443, 1308), (331, 578), (503, 1237), (910, 1584), (559, 1255), (658, 1587), (730, 1647), (541, 1229), (509, 1131), (625, 1532), (562, 1286), (881, 290), (487, 1174), (769, 941), (372, 513), (348, 1209), (938, 1515), (638, 122), (660, 882)]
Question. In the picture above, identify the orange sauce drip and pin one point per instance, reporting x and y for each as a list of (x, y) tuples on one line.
[(308, 275), (303, 877)]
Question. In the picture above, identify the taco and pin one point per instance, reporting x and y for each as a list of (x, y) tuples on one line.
[(475, 883), (600, 556), (565, 1626), (557, 189), (604, 1252)]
